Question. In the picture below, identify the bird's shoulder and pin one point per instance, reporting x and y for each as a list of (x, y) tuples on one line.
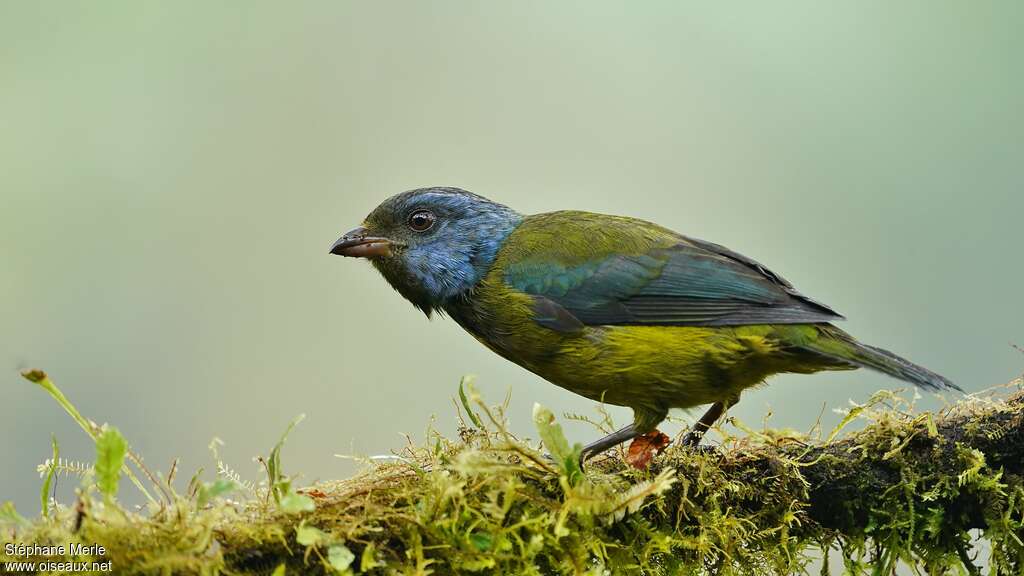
[(572, 237)]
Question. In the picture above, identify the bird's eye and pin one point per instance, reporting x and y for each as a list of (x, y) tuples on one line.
[(421, 220)]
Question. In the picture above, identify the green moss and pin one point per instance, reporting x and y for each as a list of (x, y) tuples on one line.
[(906, 488)]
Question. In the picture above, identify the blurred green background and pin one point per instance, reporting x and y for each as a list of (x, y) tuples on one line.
[(172, 175)]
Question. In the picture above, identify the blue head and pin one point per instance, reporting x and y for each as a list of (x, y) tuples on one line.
[(431, 244)]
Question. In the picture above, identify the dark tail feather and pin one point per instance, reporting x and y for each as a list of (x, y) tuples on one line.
[(844, 347), (897, 367)]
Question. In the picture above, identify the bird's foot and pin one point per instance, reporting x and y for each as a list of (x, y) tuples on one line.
[(692, 439), (691, 443)]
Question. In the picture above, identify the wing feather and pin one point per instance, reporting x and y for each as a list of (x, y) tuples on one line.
[(661, 278)]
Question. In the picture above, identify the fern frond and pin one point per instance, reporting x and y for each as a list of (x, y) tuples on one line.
[(64, 467), (631, 500), (225, 471)]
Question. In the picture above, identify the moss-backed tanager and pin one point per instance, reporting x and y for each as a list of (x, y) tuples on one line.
[(616, 309)]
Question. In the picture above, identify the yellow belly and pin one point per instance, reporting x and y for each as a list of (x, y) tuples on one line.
[(661, 366)]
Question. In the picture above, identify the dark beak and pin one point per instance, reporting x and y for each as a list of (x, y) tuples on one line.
[(359, 244)]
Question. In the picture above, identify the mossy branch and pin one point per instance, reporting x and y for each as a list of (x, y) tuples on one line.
[(941, 462), (917, 488)]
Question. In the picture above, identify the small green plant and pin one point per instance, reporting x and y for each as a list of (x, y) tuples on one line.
[(111, 448), (550, 431), (10, 516), (43, 381), (281, 488), (48, 474), (208, 491), (467, 382), (331, 551)]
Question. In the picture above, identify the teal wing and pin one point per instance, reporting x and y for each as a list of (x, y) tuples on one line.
[(659, 278)]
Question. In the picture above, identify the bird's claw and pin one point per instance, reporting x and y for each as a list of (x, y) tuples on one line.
[(691, 443), (691, 440)]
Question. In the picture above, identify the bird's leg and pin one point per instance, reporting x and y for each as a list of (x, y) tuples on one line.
[(696, 434), (613, 439)]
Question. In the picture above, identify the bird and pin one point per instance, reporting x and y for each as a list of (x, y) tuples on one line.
[(616, 309)]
